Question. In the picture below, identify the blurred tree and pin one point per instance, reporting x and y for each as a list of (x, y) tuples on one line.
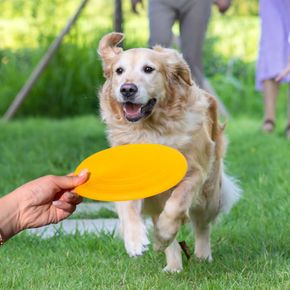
[(118, 16)]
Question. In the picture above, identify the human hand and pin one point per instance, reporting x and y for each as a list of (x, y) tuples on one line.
[(223, 5), (283, 73), (47, 200), (134, 4)]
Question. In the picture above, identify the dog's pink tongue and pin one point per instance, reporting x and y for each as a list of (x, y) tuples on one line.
[(132, 109)]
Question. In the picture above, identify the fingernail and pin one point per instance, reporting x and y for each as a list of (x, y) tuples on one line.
[(83, 172), (56, 202), (71, 195)]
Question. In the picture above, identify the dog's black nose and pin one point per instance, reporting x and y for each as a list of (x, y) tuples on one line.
[(128, 91)]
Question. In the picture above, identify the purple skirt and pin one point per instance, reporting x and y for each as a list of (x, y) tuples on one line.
[(274, 51)]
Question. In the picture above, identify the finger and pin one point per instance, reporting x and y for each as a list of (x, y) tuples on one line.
[(223, 5), (282, 74), (278, 78), (68, 207), (71, 197), (69, 182), (134, 4), (223, 8)]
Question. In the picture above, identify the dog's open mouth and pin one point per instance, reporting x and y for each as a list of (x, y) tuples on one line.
[(134, 112)]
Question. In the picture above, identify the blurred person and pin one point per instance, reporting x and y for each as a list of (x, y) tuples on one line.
[(43, 201), (193, 17), (273, 65)]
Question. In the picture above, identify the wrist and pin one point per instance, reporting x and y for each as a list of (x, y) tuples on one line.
[(9, 216)]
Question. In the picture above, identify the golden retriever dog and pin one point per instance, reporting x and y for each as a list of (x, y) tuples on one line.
[(149, 97)]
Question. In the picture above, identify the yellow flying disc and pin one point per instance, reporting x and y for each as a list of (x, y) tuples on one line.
[(133, 171)]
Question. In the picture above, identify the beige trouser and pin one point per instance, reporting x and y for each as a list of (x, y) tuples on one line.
[(193, 16)]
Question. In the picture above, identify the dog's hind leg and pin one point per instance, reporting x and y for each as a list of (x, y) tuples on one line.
[(133, 228), (202, 236)]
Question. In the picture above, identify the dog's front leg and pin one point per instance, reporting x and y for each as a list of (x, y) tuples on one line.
[(176, 209), (132, 227)]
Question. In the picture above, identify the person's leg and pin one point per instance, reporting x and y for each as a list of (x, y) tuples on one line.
[(193, 25), (288, 124), (161, 19), (270, 90)]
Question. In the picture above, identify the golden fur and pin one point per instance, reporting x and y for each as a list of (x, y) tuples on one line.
[(184, 117)]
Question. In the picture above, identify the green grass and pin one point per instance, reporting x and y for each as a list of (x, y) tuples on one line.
[(250, 245), (33, 147), (242, 261)]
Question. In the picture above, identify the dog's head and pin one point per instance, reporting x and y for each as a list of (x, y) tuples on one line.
[(140, 78)]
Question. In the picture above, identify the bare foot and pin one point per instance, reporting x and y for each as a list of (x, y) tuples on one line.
[(268, 126)]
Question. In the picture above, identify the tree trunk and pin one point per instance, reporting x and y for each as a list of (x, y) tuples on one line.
[(118, 16)]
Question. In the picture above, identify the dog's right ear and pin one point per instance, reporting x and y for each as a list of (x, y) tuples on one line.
[(108, 49)]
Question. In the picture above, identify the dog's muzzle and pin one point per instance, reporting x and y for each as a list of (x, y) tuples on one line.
[(134, 112)]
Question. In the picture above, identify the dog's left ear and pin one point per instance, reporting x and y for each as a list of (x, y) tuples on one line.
[(108, 49), (175, 64)]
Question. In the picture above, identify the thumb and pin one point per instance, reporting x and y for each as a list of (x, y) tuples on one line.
[(71, 181)]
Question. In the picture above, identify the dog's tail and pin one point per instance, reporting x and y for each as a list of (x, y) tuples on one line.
[(230, 193)]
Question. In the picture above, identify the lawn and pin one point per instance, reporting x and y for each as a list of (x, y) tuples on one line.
[(250, 245)]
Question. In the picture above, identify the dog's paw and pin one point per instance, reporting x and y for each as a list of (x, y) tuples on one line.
[(203, 254), (172, 269), (136, 244)]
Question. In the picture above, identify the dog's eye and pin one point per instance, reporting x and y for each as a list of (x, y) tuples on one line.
[(119, 70), (148, 69)]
